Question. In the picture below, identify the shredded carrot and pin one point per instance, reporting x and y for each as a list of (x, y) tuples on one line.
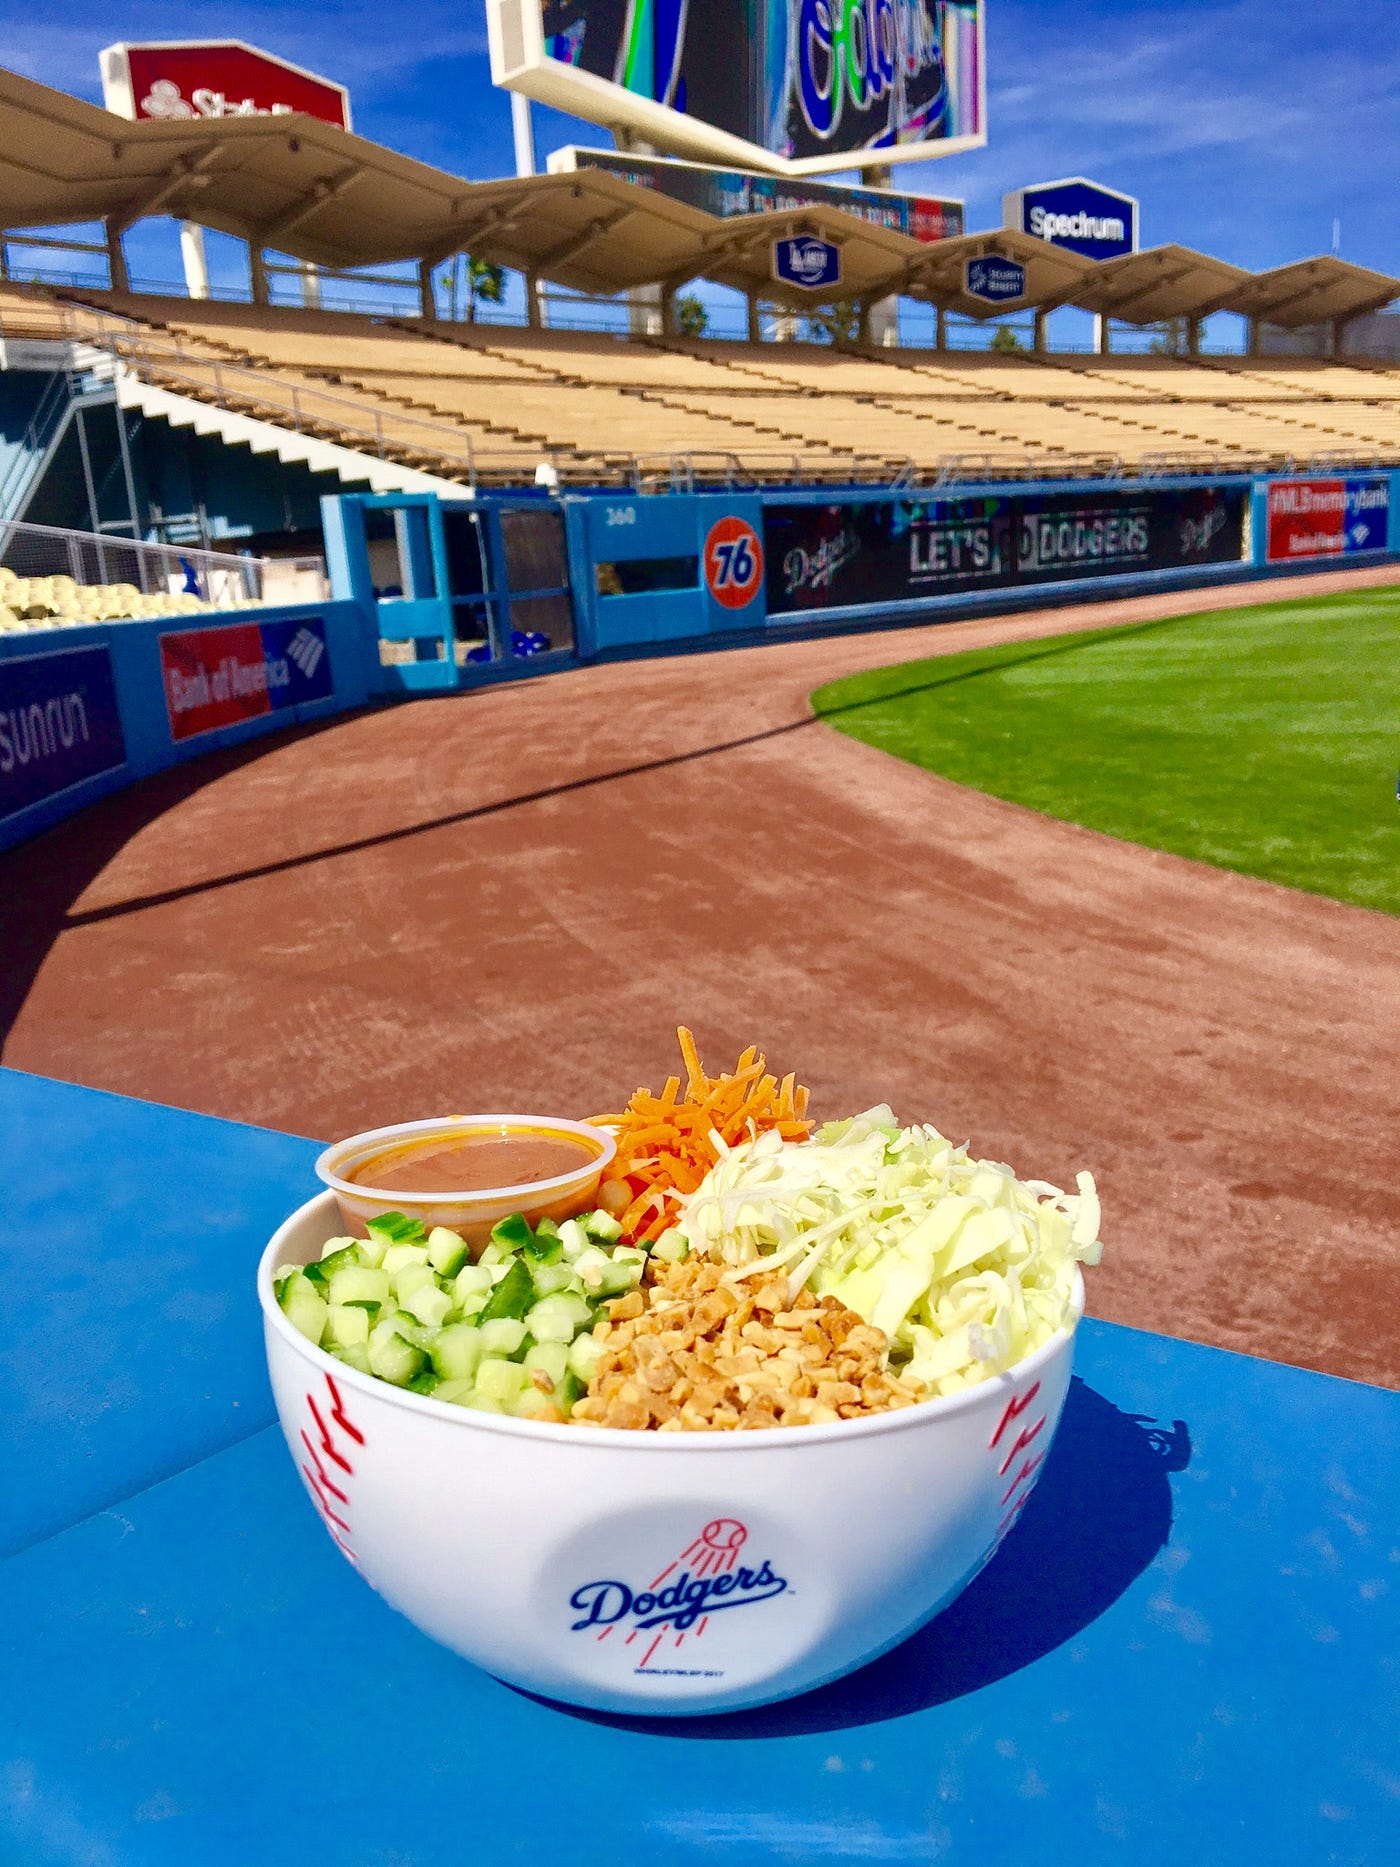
[(665, 1143)]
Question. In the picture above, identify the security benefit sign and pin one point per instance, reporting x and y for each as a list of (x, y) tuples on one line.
[(869, 552), (59, 725), (218, 677), (811, 264), (995, 280), (1326, 518)]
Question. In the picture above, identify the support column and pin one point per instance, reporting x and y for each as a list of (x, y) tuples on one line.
[(196, 261), (755, 328), (533, 315), (1193, 337), (668, 311), (427, 303), (116, 258), (1339, 326), (523, 130), (311, 287), (1103, 343), (883, 322), (1040, 344), (863, 310), (257, 273), (1252, 340), (940, 338)]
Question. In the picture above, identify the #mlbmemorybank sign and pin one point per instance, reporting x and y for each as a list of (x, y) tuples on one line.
[(217, 677), (1326, 518), (59, 724), (869, 552)]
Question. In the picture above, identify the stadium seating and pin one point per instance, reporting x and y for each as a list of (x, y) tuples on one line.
[(492, 402)]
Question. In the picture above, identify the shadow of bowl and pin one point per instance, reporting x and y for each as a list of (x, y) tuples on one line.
[(1100, 1514)]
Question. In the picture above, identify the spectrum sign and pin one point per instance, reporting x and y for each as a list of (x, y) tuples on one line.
[(791, 86), (219, 677), (1326, 518), (1081, 216), (182, 80)]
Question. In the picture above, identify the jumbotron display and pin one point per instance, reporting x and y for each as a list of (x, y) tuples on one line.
[(795, 86)]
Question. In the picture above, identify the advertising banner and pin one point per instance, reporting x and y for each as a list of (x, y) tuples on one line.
[(214, 78), (727, 192), (1081, 216), (994, 279), (788, 85), (1326, 518), (217, 677), (889, 551), (806, 262), (59, 724)]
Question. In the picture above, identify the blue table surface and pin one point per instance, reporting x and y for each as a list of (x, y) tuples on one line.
[(1189, 1648), (133, 1344)]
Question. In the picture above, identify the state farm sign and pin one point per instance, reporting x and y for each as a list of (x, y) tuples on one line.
[(214, 78)]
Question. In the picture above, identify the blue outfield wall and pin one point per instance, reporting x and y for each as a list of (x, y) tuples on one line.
[(85, 711)]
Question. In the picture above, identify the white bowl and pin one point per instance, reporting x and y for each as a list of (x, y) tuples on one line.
[(604, 1568)]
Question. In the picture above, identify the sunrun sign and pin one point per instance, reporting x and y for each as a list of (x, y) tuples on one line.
[(1079, 215)]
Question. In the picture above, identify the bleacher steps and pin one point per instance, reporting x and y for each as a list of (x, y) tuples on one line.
[(265, 437)]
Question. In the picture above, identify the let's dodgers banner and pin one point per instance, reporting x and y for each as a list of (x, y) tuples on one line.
[(881, 551)]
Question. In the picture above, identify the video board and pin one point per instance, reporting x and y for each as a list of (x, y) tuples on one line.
[(791, 86)]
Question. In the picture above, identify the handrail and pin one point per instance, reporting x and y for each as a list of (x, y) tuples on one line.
[(137, 347)]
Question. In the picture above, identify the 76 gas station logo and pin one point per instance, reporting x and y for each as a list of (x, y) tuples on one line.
[(733, 563)]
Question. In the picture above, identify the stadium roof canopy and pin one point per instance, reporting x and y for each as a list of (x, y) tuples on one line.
[(1163, 282), (1314, 291), (937, 273)]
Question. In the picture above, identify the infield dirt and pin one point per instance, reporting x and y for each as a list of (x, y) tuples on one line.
[(508, 901)]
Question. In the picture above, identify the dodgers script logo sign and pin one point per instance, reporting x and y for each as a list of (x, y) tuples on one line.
[(166, 83), (1326, 518), (705, 1579), (59, 724), (733, 560), (807, 262), (996, 281), (217, 677), (1080, 216)]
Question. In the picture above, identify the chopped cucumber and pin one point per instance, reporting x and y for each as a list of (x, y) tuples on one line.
[(592, 1266), (355, 1356), (501, 1381), (424, 1382), (447, 1251), (429, 1304), (471, 1277), (551, 1277), (551, 1358), (356, 1283), (393, 1358), (412, 1277), (304, 1306), (315, 1276), (455, 1393), (346, 1324), (672, 1247), (547, 1228), (513, 1295), (567, 1391), (456, 1350), (558, 1318), (396, 1228), (399, 1257), (512, 1234), (338, 1251), (585, 1353), (573, 1238), (602, 1226), (503, 1336), (371, 1252)]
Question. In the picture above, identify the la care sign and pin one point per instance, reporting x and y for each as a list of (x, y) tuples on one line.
[(1081, 216), (807, 262)]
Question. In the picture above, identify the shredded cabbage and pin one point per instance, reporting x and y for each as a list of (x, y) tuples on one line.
[(966, 1268)]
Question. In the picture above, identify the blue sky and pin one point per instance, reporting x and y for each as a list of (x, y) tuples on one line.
[(1245, 126)]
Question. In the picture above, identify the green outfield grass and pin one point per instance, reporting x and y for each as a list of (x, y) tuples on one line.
[(1264, 740)]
